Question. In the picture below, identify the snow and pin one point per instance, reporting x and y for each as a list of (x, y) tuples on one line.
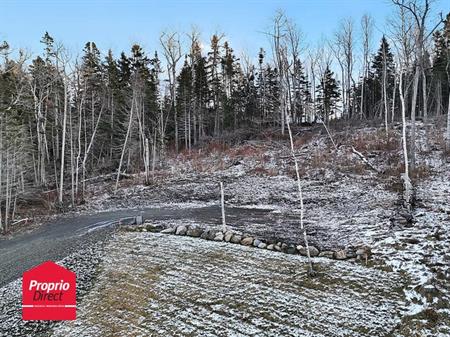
[(153, 284), (189, 285)]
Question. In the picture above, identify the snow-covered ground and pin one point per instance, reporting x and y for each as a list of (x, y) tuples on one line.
[(84, 263), (162, 285)]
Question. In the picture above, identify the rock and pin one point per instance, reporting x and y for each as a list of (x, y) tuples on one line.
[(228, 235), (327, 253), (291, 249), (256, 242), (262, 245), (154, 228), (340, 255), (205, 233), (351, 253), (236, 238), (247, 241), (284, 247), (313, 251), (363, 253), (219, 236), (277, 247), (181, 230), (170, 230), (211, 234), (208, 234), (271, 246), (194, 232)]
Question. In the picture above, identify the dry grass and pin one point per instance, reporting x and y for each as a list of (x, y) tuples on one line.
[(304, 139), (262, 171), (376, 141), (320, 159)]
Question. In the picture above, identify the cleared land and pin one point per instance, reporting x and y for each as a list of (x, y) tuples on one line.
[(155, 284)]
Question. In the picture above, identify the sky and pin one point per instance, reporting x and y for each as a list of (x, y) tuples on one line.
[(117, 24)]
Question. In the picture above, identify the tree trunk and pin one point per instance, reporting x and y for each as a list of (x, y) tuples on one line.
[(63, 145), (448, 124), (222, 205), (405, 177), (424, 95), (124, 145), (300, 194), (413, 117)]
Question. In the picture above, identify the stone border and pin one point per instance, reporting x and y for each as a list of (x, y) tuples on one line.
[(232, 236)]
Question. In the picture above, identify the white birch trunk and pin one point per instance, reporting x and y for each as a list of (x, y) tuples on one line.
[(124, 146), (63, 145), (300, 194), (222, 205)]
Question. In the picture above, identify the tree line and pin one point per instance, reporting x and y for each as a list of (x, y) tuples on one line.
[(64, 120)]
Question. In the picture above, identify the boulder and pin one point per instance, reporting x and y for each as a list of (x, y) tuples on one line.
[(340, 255), (154, 227), (219, 236), (208, 234), (194, 232), (271, 246), (228, 235), (256, 242), (211, 234), (277, 247), (327, 253), (170, 230), (236, 238), (291, 249), (351, 253), (181, 230), (262, 245), (313, 251), (363, 253), (284, 247), (247, 241)]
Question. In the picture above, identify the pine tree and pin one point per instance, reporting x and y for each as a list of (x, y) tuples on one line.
[(184, 99), (441, 66), (382, 65), (328, 93), (215, 85)]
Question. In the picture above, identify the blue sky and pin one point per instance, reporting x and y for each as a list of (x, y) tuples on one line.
[(117, 24)]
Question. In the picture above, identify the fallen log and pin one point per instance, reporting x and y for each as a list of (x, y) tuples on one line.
[(364, 159)]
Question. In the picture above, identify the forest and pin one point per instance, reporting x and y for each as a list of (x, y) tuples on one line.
[(65, 119)]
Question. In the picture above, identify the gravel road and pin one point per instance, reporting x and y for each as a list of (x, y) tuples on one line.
[(64, 235)]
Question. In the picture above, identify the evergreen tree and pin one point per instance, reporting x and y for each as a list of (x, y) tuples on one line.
[(441, 67), (328, 93), (383, 58)]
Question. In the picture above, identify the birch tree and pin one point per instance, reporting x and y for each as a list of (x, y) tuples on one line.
[(366, 27), (172, 52)]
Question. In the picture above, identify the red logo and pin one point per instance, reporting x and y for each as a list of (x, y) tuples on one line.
[(49, 293)]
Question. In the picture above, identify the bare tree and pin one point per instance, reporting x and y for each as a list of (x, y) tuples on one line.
[(277, 35), (172, 52), (343, 47), (420, 14), (366, 27), (404, 48), (300, 195)]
